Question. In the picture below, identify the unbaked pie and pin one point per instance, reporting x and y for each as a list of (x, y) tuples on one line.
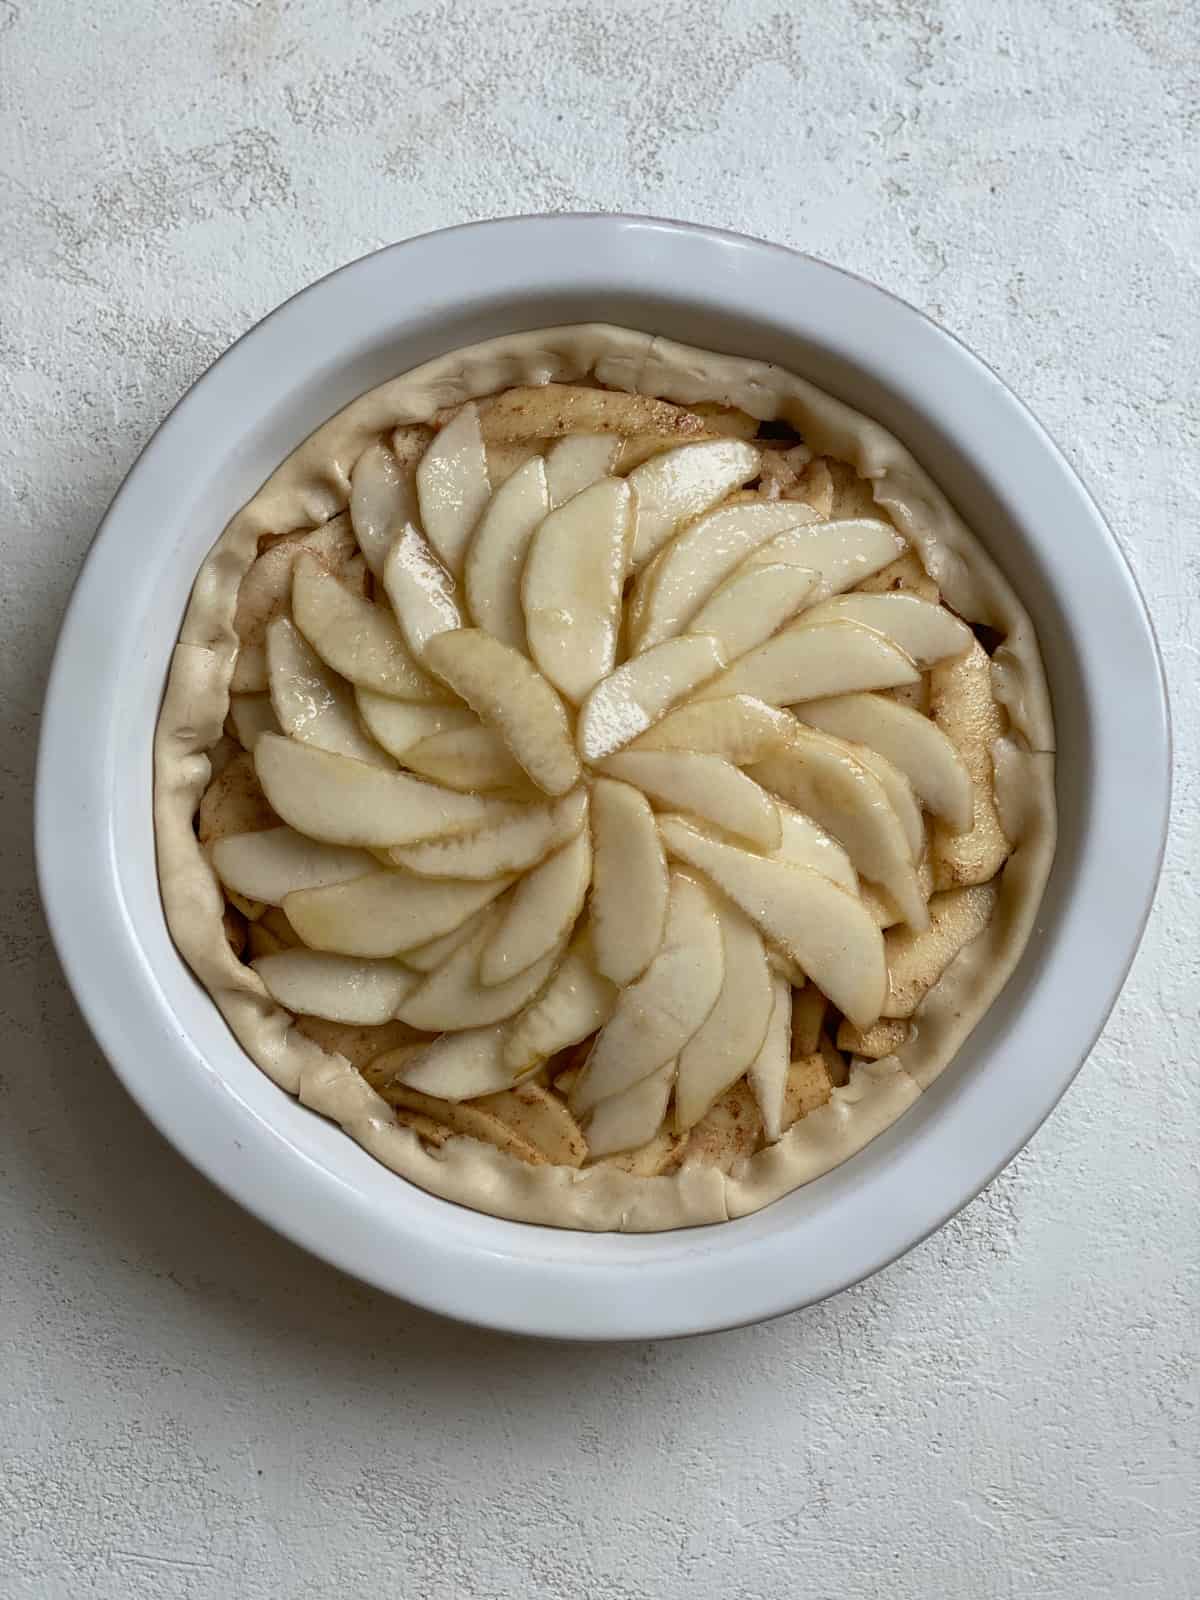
[(605, 777)]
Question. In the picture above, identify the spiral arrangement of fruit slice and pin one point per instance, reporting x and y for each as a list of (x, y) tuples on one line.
[(611, 778)]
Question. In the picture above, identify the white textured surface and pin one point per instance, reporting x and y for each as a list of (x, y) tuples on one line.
[(192, 1408)]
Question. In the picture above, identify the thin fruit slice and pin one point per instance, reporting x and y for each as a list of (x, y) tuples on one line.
[(730, 1037), (684, 483), (541, 1120), (962, 705), (649, 1160), (739, 728), (706, 786), (924, 631), (806, 844), (808, 663), (355, 637), (809, 1086), (822, 778), (541, 912), (637, 694), (338, 988), (265, 590), (699, 561), (510, 695), (250, 715), (728, 1132), (423, 593), (382, 499), (656, 1016), (425, 957), (453, 997), (550, 410), (505, 459), (905, 575), (768, 1072), (386, 913), (822, 927), (458, 1066), (629, 1120), (517, 840), (310, 702), (843, 553), (571, 590), (881, 1039), (575, 1002), (453, 486), (471, 758), (911, 742), (578, 460), (751, 606), (268, 866), (271, 933), (398, 725), (360, 1046), (809, 1006), (465, 1120), (917, 960), (341, 801), (630, 881), (497, 553), (234, 802)]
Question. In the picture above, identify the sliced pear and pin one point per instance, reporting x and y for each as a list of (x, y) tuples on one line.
[(497, 553), (822, 927), (656, 1016), (901, 796), (821, 778), (805, 663), (747, 609), (542, 911), (340, 801), (739, 728), (511, 843), (311, 703), (578, 460), (250, 715), (386, 913), (917, 960), (637, 694), (880, 903), (843, 553), (905, 575), (650, 1160), (911, 742), (706, 786), (234, 802), (806, 844), (881, 1039), (924, 631), (809, 1007), (550, 410), (265, 590), (571, 590), (630, 882), (398, 725), (629, 1120), (421, 1111), (423, 593), (453, 487), (472, 758), (356, 637), (425, 957), (505, 459), (452, 997), (338, 988), (541, 1119), (269, 865), (575, 1002), (383, 498), (963, 707), (684, 483), (731, 1035), (265, 937), (700, 560), (728, 1132), (360, 1046), (768, 1072), (808, 1087), (510, 695), (458, 1066)]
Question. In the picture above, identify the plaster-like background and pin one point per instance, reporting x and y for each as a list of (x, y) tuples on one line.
[(190, 1408)]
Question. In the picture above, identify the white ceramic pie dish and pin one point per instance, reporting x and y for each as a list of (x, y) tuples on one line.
[(383, 315)]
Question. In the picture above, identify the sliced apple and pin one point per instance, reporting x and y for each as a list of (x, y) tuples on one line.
[(423, 593), (386, 913), (815, 922), (510, 695), (768, 1072), (807, 844), (453, 486), (574, 462), (684, 483), (356, 637), (542, 1120), (425, 957), (924, 631), (265, 590), (398, 725), (706, 786), (911, 742), (541, 912), (452, 997), (571, 589), (629, 1120), (630, 881), (269, 865), (917, 960), (656, 1016), (805, 663), (748, 608), (739, 728), (512, 843), (700, 560), (730, 1037), (472, 758), (383, 498), (340, 801), (311, 703), (458, 1066), (843, 553), (497, 553), (338, 988), (822, 778), (250, 715), (575, 1002), (637, 694)]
